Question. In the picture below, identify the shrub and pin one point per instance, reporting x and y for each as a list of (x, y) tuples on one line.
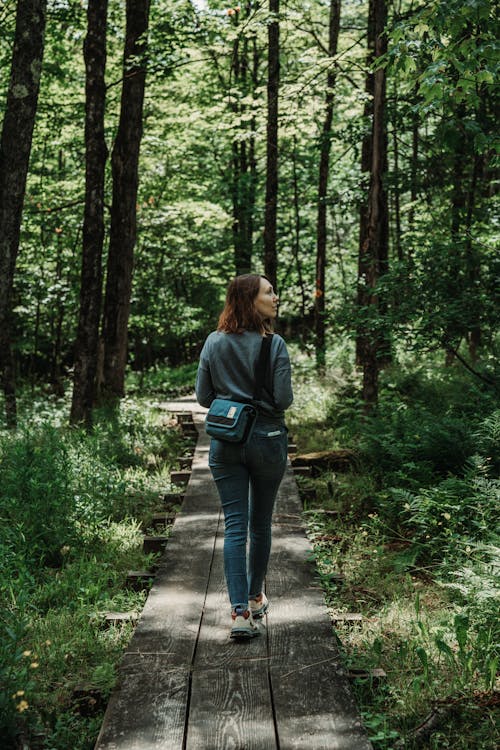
[(36, 495), (424, 428)]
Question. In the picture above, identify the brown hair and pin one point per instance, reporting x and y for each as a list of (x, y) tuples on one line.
[(239, 313)]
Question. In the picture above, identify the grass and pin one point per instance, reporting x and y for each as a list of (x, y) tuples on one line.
[(93, 495), (429, 609)]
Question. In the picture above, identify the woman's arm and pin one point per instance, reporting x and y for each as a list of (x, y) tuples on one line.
[(282, 378), (205, 392)]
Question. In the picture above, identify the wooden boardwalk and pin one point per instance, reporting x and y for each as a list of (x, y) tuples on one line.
[(184, 685)]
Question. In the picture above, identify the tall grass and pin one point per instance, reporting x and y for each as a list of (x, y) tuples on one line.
[(71, 506), (417, 542)]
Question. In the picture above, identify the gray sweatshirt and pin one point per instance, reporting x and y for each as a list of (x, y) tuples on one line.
[(227, 370)]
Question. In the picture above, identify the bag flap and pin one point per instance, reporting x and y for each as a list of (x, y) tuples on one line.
[(225, 412)]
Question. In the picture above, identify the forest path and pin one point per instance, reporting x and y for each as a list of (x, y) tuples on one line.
[(184, 685)]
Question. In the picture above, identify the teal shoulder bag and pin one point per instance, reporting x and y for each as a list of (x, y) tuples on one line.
[(233, 421)]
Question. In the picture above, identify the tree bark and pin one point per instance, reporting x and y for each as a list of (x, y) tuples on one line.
[(244, 72), (87, 341), (297, 230), (271, 206), (124, 164), (15, 148), (472, 261), (375, 226), (324, 169), (366, 161)]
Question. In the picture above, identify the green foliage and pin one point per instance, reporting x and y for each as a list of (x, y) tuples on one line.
[(423, 429), (37, 498), (166, 381), (69, 532)]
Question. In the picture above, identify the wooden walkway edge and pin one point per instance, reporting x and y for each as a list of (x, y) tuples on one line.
[(183, 685)]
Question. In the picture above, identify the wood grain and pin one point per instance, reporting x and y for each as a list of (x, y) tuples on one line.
[(230, 709)]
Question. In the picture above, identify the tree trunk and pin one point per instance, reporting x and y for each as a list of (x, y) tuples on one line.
[(15, 148), (413, 175), (324, 168), (366, 162), (87, 340), (374, 239), (296, 231), (472, 260), (244, 70), (271, 207), (124, 163)]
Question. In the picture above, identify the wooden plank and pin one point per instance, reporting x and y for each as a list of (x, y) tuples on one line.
[(231, 703), (215, 648), (230, 709), (314, 705), (147, 710), (154, 544), (180, 478)]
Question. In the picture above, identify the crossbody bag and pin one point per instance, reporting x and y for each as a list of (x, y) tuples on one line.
[(233, 421)]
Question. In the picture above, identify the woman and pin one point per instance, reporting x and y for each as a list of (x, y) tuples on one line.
[(247, 476)]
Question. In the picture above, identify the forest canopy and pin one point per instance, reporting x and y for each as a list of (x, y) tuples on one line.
[(386, 195)]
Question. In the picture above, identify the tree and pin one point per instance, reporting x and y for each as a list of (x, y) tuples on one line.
[(15, 148), (124, 164), (87, 341), (324, 168), (374, 220), (271, 205)]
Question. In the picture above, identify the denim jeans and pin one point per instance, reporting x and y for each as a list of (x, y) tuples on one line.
[(248, 478)]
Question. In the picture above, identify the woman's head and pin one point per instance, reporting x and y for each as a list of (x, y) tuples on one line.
[(251, 305)]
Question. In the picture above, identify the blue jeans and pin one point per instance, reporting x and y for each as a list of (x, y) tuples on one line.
[(248, 478)]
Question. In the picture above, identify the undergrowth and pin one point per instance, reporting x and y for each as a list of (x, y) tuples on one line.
[(72, 507), (412, 530)]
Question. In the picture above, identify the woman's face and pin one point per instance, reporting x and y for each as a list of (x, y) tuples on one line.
[(266, 301)]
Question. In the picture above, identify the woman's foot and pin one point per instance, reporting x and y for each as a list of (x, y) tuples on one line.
[(259, 606), (243, 625)]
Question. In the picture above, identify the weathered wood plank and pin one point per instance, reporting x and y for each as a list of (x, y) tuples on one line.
[(230, 709), (147, 710), (215, 648), (313, 702)]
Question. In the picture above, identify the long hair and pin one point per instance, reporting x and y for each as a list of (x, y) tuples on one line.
[(239, 313)]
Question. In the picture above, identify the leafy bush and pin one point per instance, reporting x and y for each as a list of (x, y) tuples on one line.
[(423, 429), (16, 683), (37, 497), (445, 518), (69, 531), (163, 380), (476, 586)]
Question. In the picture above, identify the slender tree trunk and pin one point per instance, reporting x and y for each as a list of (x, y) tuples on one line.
[(397, 206), (271, 207), (87, 340), (15, 148), (366, 162), (413, 174), (374, 242), (472, 260), (324, 169), (455, 272), (296, 231), (124, 163), (57, 324)]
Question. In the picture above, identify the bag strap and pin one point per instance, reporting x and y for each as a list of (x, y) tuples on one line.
[(262, 363)]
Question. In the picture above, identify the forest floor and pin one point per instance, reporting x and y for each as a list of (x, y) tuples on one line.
[(418, 561), (427, 615)]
